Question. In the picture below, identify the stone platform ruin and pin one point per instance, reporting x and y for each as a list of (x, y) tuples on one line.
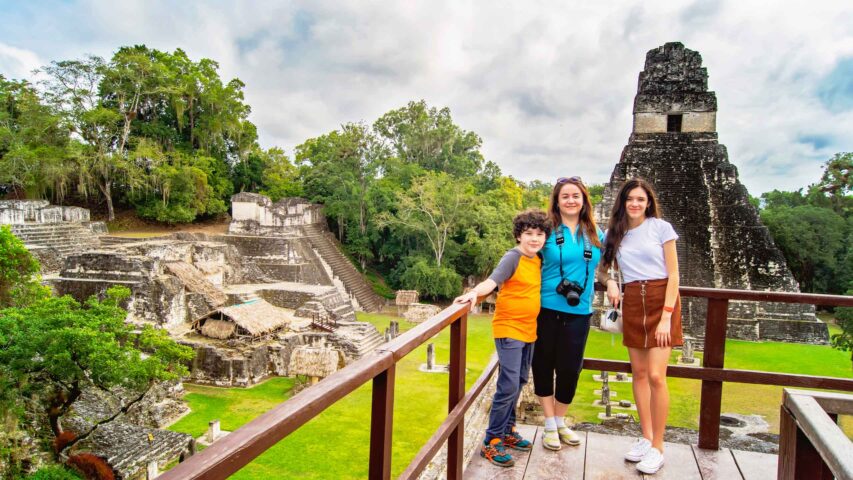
[(722, 242), (245, 300)]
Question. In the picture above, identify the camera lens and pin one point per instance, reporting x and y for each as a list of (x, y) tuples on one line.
[(573, 298)]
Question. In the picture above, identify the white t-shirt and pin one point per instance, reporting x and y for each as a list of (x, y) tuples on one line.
[(640, 255)]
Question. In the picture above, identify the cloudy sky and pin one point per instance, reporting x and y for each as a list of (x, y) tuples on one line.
[(547, 85)]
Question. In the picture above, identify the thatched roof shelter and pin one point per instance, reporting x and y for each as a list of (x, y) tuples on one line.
[(220, 329), (314, 361), (254, 318)]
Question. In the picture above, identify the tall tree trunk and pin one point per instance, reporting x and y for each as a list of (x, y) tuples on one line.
[(106, 189), (62, 401)]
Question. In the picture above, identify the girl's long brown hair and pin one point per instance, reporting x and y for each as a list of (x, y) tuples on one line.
[(586, 220), (618, 225)]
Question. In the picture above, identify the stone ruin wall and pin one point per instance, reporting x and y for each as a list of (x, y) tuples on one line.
[(288, 259), (17, 212), (254, 214), (722, 242)]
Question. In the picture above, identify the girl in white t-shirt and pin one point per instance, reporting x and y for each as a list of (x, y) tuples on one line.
[(642, 247)]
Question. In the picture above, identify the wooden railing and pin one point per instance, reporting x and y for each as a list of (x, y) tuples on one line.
[(240, 447), (228, 455), (328, 323), (712, 372), (811, 445)]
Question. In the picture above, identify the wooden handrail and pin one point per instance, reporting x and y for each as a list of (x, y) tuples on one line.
[(730, 375), (811, 445), (228, 455)]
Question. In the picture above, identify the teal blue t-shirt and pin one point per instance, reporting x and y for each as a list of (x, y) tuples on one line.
[(573, 269)]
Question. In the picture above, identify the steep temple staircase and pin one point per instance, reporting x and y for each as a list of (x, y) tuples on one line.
[(353, 281), (65, 238)]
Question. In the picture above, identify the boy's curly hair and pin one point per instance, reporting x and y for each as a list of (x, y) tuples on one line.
[(530, 219)]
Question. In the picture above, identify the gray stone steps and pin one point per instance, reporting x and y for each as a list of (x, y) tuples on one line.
[(63, 238), (343, 268)]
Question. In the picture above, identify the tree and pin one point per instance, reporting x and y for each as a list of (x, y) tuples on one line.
[(33, 143), (435, 207), (837, 182), (813, 240), (54, 349), (428, 137), (488, 235), (72, 87), (339, 170), (844, 340), (280, 177), (19, 283), (430, 280)]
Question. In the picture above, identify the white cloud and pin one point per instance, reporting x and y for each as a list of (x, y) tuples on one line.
[(17, 62), (548, 86)]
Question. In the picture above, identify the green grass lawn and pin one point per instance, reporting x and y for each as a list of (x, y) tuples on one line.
[(335, 444)]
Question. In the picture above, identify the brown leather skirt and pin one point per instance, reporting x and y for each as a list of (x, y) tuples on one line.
[(642, 305)]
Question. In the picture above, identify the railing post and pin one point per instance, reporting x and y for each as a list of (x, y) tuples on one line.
[(712, 391), (798, 458), (458, 342), (381, 423)]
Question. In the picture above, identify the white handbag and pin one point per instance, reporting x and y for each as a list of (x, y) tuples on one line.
[(611, 319)]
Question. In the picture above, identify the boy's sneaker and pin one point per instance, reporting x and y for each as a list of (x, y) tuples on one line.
[(639, 450), (651, 462), (515, 441), (569, 437), (550, 439), (495, 452)]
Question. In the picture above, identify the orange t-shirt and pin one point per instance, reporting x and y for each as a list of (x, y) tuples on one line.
[(518, 300)]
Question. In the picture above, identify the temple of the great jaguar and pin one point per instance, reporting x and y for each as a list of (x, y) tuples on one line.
[(722, 242)]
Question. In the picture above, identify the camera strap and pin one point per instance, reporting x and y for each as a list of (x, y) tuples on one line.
[(559, 239)]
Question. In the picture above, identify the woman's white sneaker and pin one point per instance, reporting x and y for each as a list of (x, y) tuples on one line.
[(652, 462), (638, 450)]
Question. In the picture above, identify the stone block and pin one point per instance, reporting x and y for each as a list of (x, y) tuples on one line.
[(418, 312)]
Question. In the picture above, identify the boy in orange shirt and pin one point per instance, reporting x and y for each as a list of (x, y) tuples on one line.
[(514, 326)]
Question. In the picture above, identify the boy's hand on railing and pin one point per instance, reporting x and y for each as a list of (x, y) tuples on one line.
[(470, 297)]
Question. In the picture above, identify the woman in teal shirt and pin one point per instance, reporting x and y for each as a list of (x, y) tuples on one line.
[(570, 257)]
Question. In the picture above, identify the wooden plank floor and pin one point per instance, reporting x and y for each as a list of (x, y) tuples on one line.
[(601, 457)]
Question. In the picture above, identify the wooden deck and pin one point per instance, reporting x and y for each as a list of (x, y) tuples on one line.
[(601, 457)]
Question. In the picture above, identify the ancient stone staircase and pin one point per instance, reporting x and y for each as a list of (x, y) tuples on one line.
[(65, 238), (363, 336), (353, 281)]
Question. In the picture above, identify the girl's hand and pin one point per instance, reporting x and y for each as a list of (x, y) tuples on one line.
[(662, 334), (613, 294)]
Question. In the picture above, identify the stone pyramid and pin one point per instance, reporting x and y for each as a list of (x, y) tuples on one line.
[(722, 241)]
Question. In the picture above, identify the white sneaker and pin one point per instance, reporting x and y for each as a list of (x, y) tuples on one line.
[(638, 450), (651, 462)]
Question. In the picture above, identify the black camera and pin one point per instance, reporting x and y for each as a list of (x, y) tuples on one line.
[(571, 290)]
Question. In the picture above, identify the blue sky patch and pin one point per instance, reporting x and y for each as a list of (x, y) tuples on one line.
[(835, 91), (816, 141)]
